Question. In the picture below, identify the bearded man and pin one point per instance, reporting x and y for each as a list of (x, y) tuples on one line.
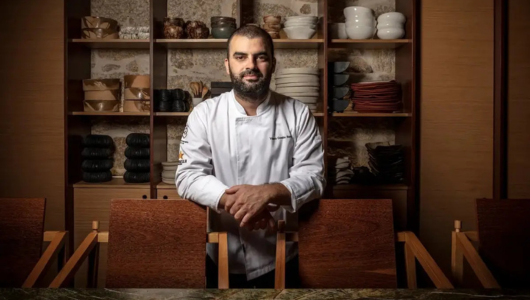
[(252, 156)]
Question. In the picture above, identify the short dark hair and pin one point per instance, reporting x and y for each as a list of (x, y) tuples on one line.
[(251, 31)]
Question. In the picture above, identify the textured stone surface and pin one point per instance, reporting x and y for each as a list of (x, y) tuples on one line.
[(260, 8), (348, 136), (126, 12), (175, 128), (118, 63), (201, 10), (262, 294)]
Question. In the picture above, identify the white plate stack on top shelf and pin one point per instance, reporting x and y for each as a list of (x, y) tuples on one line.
[(300, 27), (302, 84), (360, 22), (169, 171)]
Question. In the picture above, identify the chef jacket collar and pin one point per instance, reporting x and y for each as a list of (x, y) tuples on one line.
[(262, 108)]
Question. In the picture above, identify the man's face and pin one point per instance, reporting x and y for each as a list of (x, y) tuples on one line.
[(250, 67)]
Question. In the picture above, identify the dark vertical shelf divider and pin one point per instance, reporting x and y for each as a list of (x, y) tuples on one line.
[(158, 70), (406, 76)]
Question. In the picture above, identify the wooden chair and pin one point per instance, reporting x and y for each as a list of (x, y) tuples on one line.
[(151, 244), (503, 239), (22, 262), (351, 244)]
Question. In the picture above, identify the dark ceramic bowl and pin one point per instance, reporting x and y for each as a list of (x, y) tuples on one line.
[(223, 24), (222, 19), (222, 32)]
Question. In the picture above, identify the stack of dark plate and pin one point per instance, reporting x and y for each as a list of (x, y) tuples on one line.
[(173, 100), (97, 158), (376, 97), (137, 162), (220, 87), (386, 162)]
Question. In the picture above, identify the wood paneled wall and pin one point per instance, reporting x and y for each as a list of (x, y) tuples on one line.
[(518, 99), (31, 114), (456, 163)]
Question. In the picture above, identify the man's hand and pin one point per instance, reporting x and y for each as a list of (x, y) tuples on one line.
[(248, 201)]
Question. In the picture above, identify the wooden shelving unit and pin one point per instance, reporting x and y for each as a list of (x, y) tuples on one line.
[(369, 44), (221, 43), (78, 67), (371, 115), (114, 183), (111, 44), (114, 114)]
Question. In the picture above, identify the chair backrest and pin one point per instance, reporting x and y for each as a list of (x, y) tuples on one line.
[(504, 235), (156, 244), (21, 237), (347, 244)]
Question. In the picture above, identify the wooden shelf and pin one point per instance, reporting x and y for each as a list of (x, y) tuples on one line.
[(185, 114), (165, 186), (369, 44), (172, 114), (121, 114), (112, 44), (114, 183), (371, 187), (221, 43), (371, 115)]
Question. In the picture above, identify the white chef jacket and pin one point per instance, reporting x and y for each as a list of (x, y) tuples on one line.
[(222, 146)]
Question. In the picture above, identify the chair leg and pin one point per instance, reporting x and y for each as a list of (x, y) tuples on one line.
[(93, 262), (223, 261), (477, 264), (73, 264), (46, 260), (427, 262), (457, 258), (279, 279), (410, 265)]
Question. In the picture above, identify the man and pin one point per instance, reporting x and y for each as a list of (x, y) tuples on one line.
[(251, 155)]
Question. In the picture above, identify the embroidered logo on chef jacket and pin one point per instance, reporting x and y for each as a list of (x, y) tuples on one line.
[(181, 158)]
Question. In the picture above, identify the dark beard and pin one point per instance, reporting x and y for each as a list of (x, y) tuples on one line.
[(250, 91)]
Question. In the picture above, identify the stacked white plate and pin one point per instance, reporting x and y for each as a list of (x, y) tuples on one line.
[(300, 27), (169, 172), (302, 84)]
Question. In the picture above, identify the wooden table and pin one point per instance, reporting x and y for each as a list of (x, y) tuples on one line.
[(301, 294)]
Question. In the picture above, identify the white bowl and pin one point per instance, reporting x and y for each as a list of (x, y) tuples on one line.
[(338, 31), (297, 23), (361, 21), (310, 26), (390, 33), (359, 32), (389, 25), (391, 17), (312, 18), (299, 33), (351, 11)]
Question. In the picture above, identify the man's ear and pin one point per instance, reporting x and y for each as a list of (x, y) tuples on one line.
[(273, 65), (227, 66)]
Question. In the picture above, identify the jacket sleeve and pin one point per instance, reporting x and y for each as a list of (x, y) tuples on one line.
[(306, 180), (194, 179)]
